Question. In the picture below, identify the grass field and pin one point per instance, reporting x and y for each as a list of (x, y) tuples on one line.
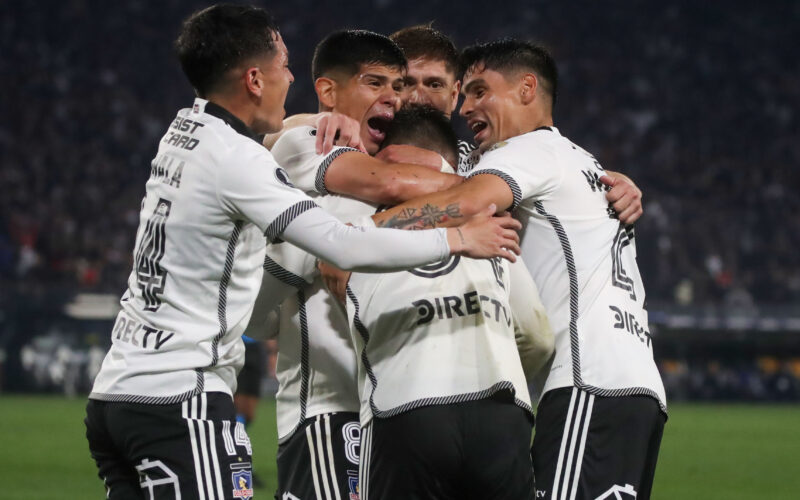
[(709, 451)]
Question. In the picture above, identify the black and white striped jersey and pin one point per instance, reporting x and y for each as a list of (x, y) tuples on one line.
[(584, 262), (442, 334), (316, 366), (213, 193)]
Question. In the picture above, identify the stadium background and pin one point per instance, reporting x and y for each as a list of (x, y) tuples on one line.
[(699, 102)]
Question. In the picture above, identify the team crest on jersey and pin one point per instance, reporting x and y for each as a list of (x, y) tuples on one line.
[(352, 483), (498, 145), (242, 484), (283, 177), (438, 268)]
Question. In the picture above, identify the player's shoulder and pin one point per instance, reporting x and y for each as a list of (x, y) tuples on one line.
[(297, 140), (541, 145)]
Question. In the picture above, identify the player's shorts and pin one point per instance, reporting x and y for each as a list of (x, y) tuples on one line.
[(460, 451), (592, 447), (320, 460), (194, 449), (252, 373)]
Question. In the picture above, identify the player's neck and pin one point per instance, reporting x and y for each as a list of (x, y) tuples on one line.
[(237, 106)]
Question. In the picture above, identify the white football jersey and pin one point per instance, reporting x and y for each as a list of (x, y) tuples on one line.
[(439, 334), (584, 263), (316, 368), (213, 194)]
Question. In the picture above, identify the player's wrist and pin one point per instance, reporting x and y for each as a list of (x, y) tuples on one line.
[(456, 240)]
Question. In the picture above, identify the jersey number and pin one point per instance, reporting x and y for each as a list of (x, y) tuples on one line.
[(150, 276)]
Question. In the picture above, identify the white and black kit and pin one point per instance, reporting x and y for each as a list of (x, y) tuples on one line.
[(584, 261)]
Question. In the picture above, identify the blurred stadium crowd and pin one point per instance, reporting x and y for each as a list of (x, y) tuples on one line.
[(696, 102)]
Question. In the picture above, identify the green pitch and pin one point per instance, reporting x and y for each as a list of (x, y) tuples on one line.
[(709, 451)]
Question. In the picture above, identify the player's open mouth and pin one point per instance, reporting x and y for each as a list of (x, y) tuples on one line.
[(477, 127), (378, 125)]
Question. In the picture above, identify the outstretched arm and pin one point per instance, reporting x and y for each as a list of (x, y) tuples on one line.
[(451, 207), (379, 250), (370, 179)]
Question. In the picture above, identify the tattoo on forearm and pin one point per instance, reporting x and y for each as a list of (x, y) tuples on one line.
[(427, 217)]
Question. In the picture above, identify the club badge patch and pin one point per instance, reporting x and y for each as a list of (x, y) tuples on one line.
[(283, 177), (352, 483), (242, 484)]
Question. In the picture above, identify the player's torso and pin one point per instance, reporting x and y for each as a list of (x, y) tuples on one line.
[(584, 263), (433, 333), (317, 367), (195, 271)]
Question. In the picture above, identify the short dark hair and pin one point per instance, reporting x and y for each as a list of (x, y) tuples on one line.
[(509, 55), (346, 51), (425, 127), (424, 41), (214, 40)]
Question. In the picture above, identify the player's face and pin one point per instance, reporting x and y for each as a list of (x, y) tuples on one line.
[(372, 97), (428, 82), (276, 79), (491, 105)]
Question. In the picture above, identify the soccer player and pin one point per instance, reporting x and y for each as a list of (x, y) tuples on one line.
[(600, 421), (160, 418), (445, 411), (357, 74)]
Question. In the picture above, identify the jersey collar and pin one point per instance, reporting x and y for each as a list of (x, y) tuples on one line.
[(228, 117)]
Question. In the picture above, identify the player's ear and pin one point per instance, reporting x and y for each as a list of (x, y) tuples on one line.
[(326, 91), (254, 81), (456, 91), (527, 88)]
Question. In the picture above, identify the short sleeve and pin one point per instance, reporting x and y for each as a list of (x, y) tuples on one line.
[(526, 163), (251, 186), (296, 152)]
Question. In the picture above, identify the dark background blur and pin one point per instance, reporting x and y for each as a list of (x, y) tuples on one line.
[(699, 102)]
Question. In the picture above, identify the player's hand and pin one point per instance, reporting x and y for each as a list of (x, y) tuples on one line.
[(624, 196), (485, 236), (335, 280), (403, 153), (339, 129)]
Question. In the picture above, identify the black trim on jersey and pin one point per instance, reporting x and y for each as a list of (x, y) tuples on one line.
[(512, 184), (573, 290), (305, 365), (284, 219), (282, 274), (573, 321), (419, 403), (228, 117), (319, 182), (549, 129), (362, 330), (305, 369), (153, 400), (222, 303)]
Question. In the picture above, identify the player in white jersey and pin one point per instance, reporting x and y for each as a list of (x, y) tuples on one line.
[(357, 73), (601, 419), (440, 357), (160, 416)]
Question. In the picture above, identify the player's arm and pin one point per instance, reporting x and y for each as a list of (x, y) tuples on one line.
[(334, 128), (366, 178), (450, 207), (367, 249), (532, 331)]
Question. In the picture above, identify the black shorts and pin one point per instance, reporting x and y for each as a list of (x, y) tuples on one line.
[(252, 373), (460, 451), (320, 460), (593, 447), (193, 449)]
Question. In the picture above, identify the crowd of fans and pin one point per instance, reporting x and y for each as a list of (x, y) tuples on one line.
[(696, 102)]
